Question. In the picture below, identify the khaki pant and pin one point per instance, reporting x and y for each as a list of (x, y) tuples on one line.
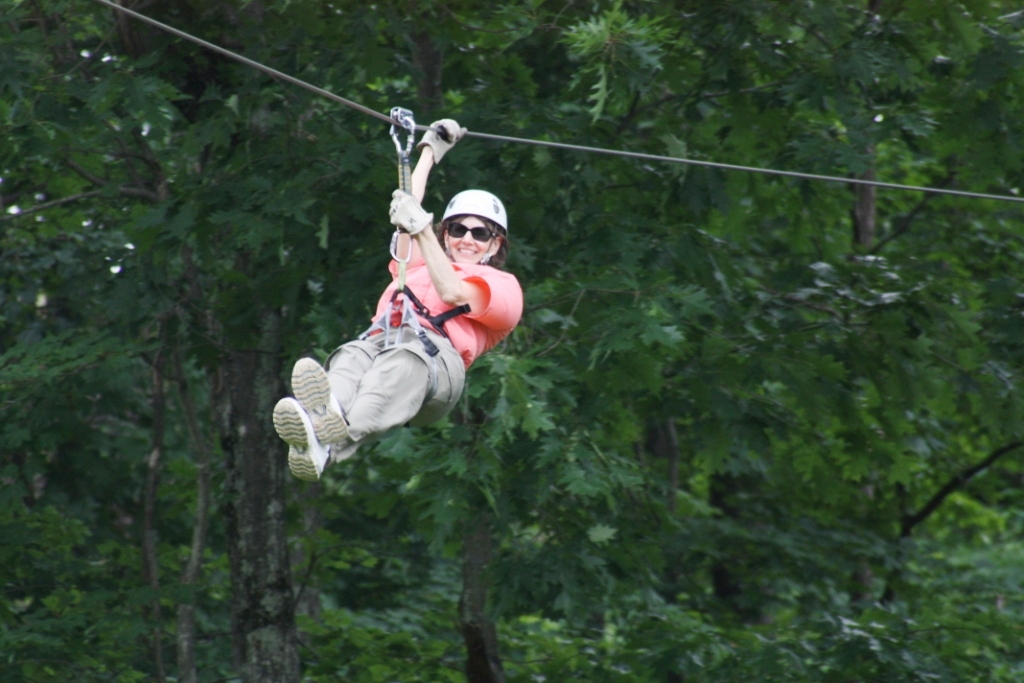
[(382, 388)]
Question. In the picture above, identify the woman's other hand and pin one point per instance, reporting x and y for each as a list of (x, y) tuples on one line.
[(407, 214), (441, 137)]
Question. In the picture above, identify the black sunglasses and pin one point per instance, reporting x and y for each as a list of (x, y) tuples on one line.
[(458, 230)]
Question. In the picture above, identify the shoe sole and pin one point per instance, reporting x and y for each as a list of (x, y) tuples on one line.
[(301, 465), (312, 389), (288, 424)]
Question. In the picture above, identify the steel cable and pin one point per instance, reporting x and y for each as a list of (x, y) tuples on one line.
[(556, 145)]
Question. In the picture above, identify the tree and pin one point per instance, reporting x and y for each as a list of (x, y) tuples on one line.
[(748, 424)]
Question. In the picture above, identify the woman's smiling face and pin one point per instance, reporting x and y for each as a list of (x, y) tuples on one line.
[(466, 249)]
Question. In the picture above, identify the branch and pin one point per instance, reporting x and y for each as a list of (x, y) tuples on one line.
[(139, 192), (126, 154), (905, 223), (565, 329), (636, 111), (821, 39), (742, 91), (479, 29), (308, 575), (94, 179), (553, 24), (629, 115), (50, 205), (957, 482)]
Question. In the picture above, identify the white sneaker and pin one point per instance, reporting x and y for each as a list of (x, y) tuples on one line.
[(312, 389), (307, 457)]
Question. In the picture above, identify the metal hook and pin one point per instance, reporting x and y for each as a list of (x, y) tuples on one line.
[(404, 118)]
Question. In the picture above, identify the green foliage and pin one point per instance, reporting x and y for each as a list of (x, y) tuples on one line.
[(382, 644), (61, 616), (618, 51), (725, 443)]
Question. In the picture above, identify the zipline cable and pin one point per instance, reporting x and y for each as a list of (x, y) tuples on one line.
[(547, 143), (749, 169), (248, 62)]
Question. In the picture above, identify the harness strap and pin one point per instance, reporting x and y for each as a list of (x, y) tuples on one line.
[(437, 321), (440, 319), (411, 311)]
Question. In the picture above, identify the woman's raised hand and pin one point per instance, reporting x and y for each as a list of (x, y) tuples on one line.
[(441, 137)]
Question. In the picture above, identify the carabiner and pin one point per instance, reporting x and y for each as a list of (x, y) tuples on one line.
[(404, 117)]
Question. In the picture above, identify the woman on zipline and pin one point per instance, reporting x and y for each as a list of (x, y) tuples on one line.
[(410, 372)]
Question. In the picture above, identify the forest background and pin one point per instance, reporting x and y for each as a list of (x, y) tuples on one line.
[(751, 428)]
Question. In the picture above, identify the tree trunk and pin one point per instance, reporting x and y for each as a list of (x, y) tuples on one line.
[(186, 626), (727, 587), (483, 663), (263, 635), (864, 212), (130, 31), (428, 61), (663, 442), (150, 561)]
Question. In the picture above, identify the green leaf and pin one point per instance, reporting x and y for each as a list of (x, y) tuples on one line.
[(601, 534)]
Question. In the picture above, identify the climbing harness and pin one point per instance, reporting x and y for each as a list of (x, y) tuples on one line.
[(558, 145), (405, 308)]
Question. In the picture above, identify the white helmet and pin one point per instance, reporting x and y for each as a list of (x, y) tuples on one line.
[(477, 203)]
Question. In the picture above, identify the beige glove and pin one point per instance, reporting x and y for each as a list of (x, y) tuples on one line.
[(407, 214), (441, 137)]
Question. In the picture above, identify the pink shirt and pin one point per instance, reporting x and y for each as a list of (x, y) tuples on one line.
[(477, 332)]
